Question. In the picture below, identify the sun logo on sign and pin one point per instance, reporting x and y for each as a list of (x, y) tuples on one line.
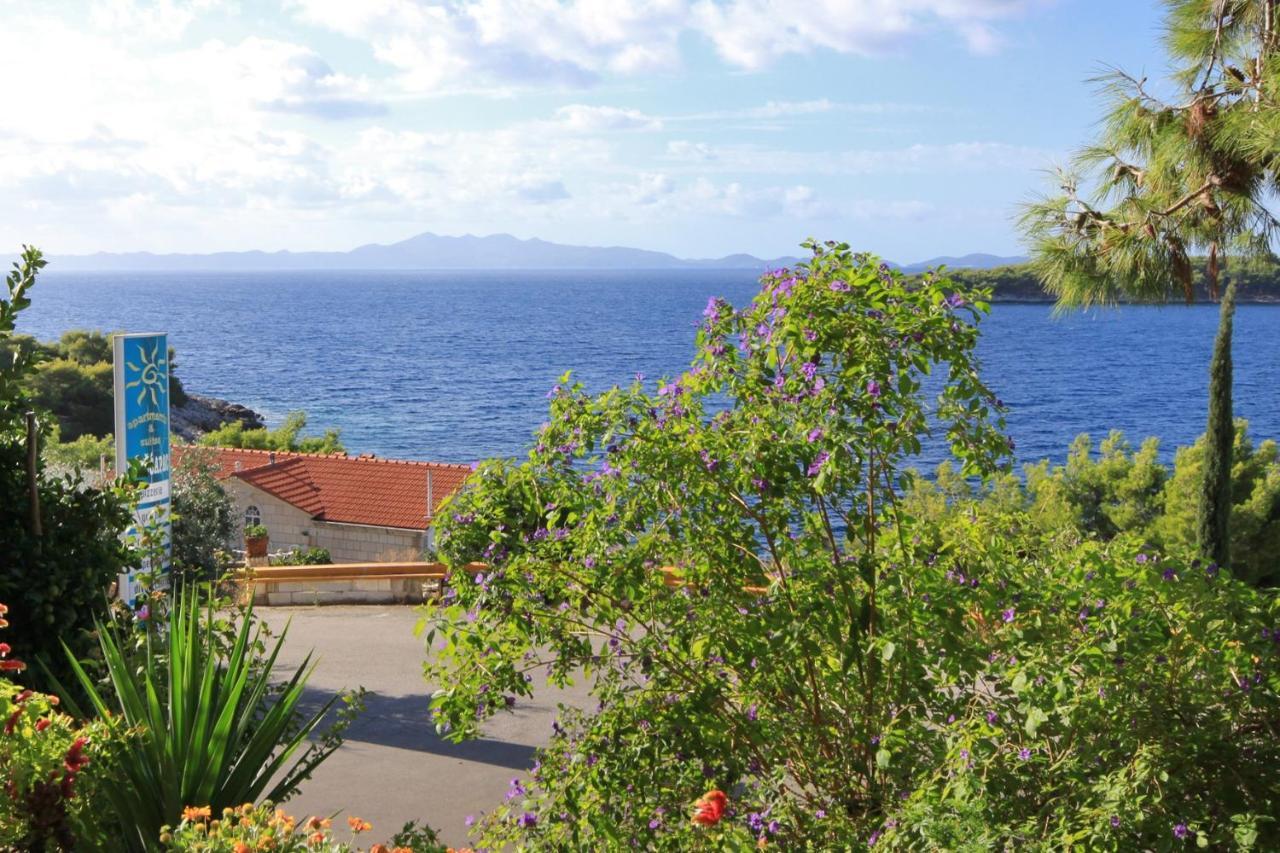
[(150, 375)]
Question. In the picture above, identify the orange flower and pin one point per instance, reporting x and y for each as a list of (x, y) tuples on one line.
[(379, 848), (710, 808), (317, 838), (358, 825), (241, 847), (192, 813), (318, 823)]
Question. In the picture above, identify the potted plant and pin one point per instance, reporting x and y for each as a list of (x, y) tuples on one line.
[(255, 540)]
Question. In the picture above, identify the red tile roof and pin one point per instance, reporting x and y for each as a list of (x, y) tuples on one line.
[(341, 488)]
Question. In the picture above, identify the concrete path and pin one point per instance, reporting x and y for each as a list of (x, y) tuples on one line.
[(393, 768)]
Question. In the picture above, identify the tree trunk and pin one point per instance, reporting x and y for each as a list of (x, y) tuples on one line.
[(1213, 518)]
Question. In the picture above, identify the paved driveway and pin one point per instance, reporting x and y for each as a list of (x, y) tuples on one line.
[(393, 767)]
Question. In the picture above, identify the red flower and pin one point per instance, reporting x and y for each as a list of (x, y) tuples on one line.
[(68, 786), (710, 808), (75, 759), (42, 724), (13, 722)]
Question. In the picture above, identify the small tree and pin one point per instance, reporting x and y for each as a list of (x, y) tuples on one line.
[(1170, 177), (204, 524)]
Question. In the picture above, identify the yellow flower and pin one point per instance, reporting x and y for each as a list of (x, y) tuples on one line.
[(193, 813)]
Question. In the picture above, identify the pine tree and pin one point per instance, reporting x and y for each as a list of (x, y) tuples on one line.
[(1174, 181), (1212, 519)]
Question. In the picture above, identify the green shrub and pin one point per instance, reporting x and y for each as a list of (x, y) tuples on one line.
[(304, 557), (54, 771), (730, 566), (204, 521), (1125, 491), (255, 531), (287, 437), (211, 728), (56, 580)]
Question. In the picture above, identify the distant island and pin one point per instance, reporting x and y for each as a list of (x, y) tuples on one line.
[(1010, 278), (436, 252)]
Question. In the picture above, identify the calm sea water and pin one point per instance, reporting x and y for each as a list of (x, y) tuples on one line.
[(456, 366)]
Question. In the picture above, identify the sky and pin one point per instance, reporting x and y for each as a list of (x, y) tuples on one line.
[(909, 128)]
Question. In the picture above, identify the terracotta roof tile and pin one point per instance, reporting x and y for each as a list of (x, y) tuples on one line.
[(341, 488)]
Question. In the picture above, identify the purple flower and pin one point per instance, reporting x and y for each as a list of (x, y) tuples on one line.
[(144, 613), (713, 308), (1180, 831), (709, 461), (470, 821), (815, 434), (873, 388), (820, 814), (528, 820), (810, 335), (1024, 754), (992, 716), (840, 286), (554, 391), (755, 821), (656, 823), (809, 369), (1008, 615), (1169, 574), (818, 461), (1115, 822), (1142, 558), (955, 300), (752, 713)]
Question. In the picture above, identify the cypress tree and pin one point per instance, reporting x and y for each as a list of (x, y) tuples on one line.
[(1213, 517)]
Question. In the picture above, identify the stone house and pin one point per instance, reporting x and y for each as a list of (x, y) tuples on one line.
[(361, 508)]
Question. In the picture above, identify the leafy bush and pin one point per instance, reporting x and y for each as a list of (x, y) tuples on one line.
[(73, 380), (211, 727), (204, 521), (56, 580), (255, 531), (730, 565), (54, 771), (304, 557), (1125, 491), (287, 437), (265, 827)]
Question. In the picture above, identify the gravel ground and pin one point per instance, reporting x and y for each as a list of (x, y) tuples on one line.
[(393, 767)]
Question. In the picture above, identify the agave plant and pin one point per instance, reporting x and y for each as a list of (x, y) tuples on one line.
[(208, 727)]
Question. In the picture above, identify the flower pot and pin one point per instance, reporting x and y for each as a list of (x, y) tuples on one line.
[(256, 547)]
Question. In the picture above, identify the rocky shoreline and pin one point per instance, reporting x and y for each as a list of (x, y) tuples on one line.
[(201, 414)]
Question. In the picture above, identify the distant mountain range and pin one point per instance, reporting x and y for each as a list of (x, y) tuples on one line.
[(435, 252)]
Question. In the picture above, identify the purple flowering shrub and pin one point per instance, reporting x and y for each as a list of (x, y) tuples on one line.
[(727, 562)]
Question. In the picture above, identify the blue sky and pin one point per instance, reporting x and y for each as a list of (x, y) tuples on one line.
[(911, 128)]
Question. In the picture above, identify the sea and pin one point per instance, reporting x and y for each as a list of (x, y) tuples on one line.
[(455, 366)]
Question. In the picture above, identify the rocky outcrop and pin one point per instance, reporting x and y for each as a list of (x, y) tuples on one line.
[(200, 414)]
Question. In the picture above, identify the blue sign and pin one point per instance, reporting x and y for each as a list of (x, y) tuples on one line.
[(141, 373)]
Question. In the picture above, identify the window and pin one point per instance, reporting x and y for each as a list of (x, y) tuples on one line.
[(252, 516)]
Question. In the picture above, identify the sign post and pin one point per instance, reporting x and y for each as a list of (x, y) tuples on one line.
[(140, 367)]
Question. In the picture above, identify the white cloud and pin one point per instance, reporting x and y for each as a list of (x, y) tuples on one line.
[(592, 119), (946, 158), (438, 45)]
